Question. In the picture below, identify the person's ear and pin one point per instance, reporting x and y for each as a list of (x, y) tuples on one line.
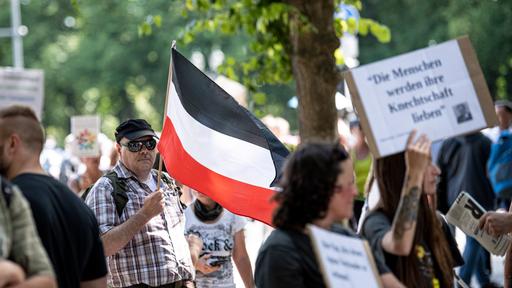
[(118, 148), (13, 143)]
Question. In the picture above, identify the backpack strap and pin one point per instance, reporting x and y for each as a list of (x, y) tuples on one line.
[(119, 192)]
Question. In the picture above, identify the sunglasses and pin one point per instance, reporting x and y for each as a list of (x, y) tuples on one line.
[(136, 146)]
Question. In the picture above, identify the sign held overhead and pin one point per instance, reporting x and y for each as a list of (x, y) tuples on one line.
[(439, 90)]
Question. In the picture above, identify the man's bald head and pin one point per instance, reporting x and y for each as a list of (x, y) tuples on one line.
[(22, 120)]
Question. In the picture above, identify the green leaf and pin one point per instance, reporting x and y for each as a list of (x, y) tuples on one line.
[(144, 29), (259, 98), (157, 20)]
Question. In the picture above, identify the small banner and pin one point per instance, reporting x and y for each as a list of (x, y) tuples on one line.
[(85, 130), (22, 87)]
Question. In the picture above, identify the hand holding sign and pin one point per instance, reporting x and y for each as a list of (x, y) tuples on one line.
[(417, 154)]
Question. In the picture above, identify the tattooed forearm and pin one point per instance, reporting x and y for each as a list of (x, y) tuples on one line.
[(407, 212)]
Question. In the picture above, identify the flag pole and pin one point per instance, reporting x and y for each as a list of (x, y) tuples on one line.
[(169, 81)]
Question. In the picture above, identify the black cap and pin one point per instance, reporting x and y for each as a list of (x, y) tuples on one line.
[(133, 129)]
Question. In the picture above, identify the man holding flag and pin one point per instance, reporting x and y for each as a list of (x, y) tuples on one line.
[(143, 235)]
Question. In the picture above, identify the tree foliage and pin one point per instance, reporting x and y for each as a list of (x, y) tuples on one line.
[(276, 30), (428, 22), (97, 58)]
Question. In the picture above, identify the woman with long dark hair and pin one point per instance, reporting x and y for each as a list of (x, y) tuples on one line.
[(403, 228)]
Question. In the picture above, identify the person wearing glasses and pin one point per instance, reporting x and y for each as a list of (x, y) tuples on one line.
[(145, 242), (66, 226)]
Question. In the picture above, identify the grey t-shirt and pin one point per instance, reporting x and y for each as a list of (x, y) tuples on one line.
[(377, 224)]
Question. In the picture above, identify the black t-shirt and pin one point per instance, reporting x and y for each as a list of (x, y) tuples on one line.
[(67, 228), (287, 259), (463, 162)]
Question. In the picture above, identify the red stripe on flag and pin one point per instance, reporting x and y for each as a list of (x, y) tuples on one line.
[(238, 197)]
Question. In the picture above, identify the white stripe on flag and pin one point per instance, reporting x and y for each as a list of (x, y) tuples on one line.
[(226, 155)]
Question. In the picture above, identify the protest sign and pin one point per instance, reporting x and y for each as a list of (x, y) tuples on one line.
[(22, 87), (85, 130), (439, 90), (465, 213), (345, 261)]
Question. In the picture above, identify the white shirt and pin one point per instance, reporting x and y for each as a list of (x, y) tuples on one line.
[(218, 240)]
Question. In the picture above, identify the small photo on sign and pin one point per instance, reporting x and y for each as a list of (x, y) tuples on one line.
[(462, 113)]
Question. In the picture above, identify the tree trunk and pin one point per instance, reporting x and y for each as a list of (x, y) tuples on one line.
[(314, 68)]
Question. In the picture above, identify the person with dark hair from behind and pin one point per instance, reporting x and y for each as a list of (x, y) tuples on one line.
[(67, 227), (318, 187), (403, 229), (23, 261)]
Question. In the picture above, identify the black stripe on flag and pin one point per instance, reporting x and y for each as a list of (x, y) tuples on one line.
[(213, 107)]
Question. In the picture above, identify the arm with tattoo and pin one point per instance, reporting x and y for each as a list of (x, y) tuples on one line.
[(399, 239), (405, 218)]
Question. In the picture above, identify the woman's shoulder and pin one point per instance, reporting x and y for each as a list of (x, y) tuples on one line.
[(281, 238), (375, 221), (375, 215)]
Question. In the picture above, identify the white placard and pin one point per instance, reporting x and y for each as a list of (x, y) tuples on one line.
[(85, 130), (346, 262), (22, 87), (430, 90)]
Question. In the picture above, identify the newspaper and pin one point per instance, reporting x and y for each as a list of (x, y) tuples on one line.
[(465, 214)]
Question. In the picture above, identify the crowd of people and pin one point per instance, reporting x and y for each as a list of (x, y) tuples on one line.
[(134, 227)]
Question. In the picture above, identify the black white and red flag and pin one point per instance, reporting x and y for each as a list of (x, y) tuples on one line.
[(217, 147)]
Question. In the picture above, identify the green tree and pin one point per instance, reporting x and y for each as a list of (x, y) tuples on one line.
[(428, 22), (292, 39), (95, 58)]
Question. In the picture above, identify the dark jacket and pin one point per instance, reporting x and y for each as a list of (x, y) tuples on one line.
[(463, 162)]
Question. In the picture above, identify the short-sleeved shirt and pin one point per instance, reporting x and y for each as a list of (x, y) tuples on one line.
[(377, 224), (218, 241), (19, 241), (67, 228), (158, 254)]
